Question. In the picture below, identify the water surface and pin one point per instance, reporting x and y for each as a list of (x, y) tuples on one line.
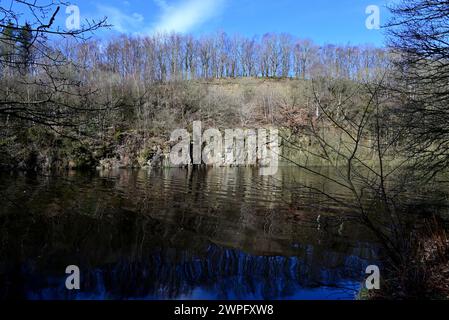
[(223, 233)]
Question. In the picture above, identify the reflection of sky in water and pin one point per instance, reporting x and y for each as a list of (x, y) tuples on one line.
[(224, 274), (348, 291)]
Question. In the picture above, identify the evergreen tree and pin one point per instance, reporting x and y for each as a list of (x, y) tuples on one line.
[(7, 42), (24, 55)]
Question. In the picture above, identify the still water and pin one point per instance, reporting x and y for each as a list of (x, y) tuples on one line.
[(222, 233)]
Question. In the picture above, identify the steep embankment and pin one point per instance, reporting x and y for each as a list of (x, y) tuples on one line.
[(139, 136)]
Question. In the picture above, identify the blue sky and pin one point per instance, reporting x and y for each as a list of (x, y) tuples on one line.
[(324, 21)]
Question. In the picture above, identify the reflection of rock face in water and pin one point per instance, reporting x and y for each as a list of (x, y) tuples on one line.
[(176, 234)]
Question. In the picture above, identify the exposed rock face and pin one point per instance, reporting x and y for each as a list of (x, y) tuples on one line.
[(156, 157), (131, 149)]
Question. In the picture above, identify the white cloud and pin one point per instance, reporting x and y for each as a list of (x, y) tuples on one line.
[(120, 21), (185, 15)]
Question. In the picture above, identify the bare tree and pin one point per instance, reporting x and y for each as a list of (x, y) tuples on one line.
[(205, 52), (419, 37), (248, 58), (303, 54), (285, 43), (43, 96)]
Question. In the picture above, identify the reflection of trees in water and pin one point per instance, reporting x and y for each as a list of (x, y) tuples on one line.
[(219, 273), (166, 235), (171, 263)]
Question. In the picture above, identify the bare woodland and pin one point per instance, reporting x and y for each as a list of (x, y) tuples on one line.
[(379, 115)]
